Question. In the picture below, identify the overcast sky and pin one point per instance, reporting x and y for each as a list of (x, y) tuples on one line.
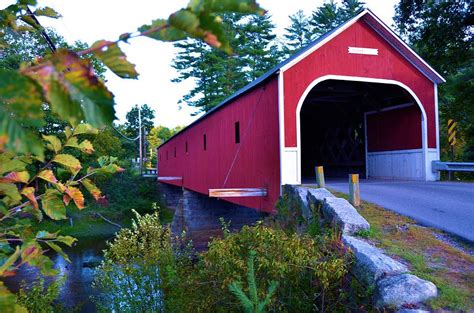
[(91, 20)]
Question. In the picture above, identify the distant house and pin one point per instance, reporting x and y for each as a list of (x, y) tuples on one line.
[(356, 100)]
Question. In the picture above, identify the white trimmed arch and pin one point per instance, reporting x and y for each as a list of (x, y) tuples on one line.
[(288, 156)]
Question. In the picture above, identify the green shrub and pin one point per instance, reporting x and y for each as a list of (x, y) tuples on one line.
[(311, 274), (139, 267), (38, 298)]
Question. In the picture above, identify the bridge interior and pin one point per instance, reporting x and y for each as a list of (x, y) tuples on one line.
[(332, 124)]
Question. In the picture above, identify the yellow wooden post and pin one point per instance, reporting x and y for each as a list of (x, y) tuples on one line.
[(354, 191), (320, 177)]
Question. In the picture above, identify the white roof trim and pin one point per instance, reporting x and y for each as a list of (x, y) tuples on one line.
[(323, 42), (347, 25), (404, 44)]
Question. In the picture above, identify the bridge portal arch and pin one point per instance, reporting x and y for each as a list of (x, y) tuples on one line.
[(343, 123)]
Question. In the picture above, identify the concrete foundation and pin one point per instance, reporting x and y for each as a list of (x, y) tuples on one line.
[(199, 215)]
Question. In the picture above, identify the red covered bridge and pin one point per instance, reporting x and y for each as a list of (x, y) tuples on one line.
[(356, 100)]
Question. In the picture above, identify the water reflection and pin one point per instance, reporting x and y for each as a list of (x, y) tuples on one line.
[(77, 288)]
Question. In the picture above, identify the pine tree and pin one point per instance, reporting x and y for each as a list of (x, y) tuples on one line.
[(330, 15), (298, 34), (349, 8), (218, 75), (258, 50), (324, 18)]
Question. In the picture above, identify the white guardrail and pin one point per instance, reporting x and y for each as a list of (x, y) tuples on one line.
[(452, 166)]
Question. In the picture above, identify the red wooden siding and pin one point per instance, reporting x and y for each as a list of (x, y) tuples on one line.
[(333, 59), (252, 163), (394, 130)]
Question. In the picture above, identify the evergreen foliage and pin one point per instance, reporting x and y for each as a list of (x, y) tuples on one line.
[(441, 33), (218, 75), (304, 29), (132, 123), (298, 34), (251, 303), (331, 15)]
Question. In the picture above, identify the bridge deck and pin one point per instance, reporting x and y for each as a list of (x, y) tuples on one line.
[(448, 206)]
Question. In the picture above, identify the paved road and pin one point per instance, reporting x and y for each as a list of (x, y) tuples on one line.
[(448, 206)]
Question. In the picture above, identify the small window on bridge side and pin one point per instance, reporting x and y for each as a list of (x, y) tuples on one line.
[(160, 156), (204, 141), (237, 132), (186, 147), (175, 152)]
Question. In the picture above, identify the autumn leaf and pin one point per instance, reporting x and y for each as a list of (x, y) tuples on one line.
[(76, 195), (69, 162), (67, 240), (29, 192), (48, 176), (72, 88), (30, 251), (92, 188), (86, 147), (66, 199), (52, 205), (15, 177), (85, 87)]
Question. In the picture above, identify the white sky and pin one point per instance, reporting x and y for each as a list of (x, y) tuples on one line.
[(91, 20)]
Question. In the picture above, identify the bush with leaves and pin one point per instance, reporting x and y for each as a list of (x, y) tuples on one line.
[(311, 273), (38, 298), (140, 268)]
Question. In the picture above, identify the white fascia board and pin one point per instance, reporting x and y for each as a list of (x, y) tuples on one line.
[(405, 45)]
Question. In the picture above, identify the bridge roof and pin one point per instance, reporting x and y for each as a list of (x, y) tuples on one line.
[(372, 20)]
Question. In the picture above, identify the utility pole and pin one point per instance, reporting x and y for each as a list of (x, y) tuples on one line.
[(140, 140)]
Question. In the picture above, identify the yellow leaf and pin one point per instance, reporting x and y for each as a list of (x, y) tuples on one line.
[(86, 147), (69, 162), (54, 143), (76, 195), (15, 177), (92, 188), (48, 176)]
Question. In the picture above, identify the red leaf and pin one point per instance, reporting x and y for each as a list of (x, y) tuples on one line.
[(16, 177), (66, 199), (29, 192), (76, 195)]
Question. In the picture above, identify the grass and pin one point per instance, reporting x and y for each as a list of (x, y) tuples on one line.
[(449, 268)]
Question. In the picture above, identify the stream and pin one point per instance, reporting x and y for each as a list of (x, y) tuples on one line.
[(77, 289)]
